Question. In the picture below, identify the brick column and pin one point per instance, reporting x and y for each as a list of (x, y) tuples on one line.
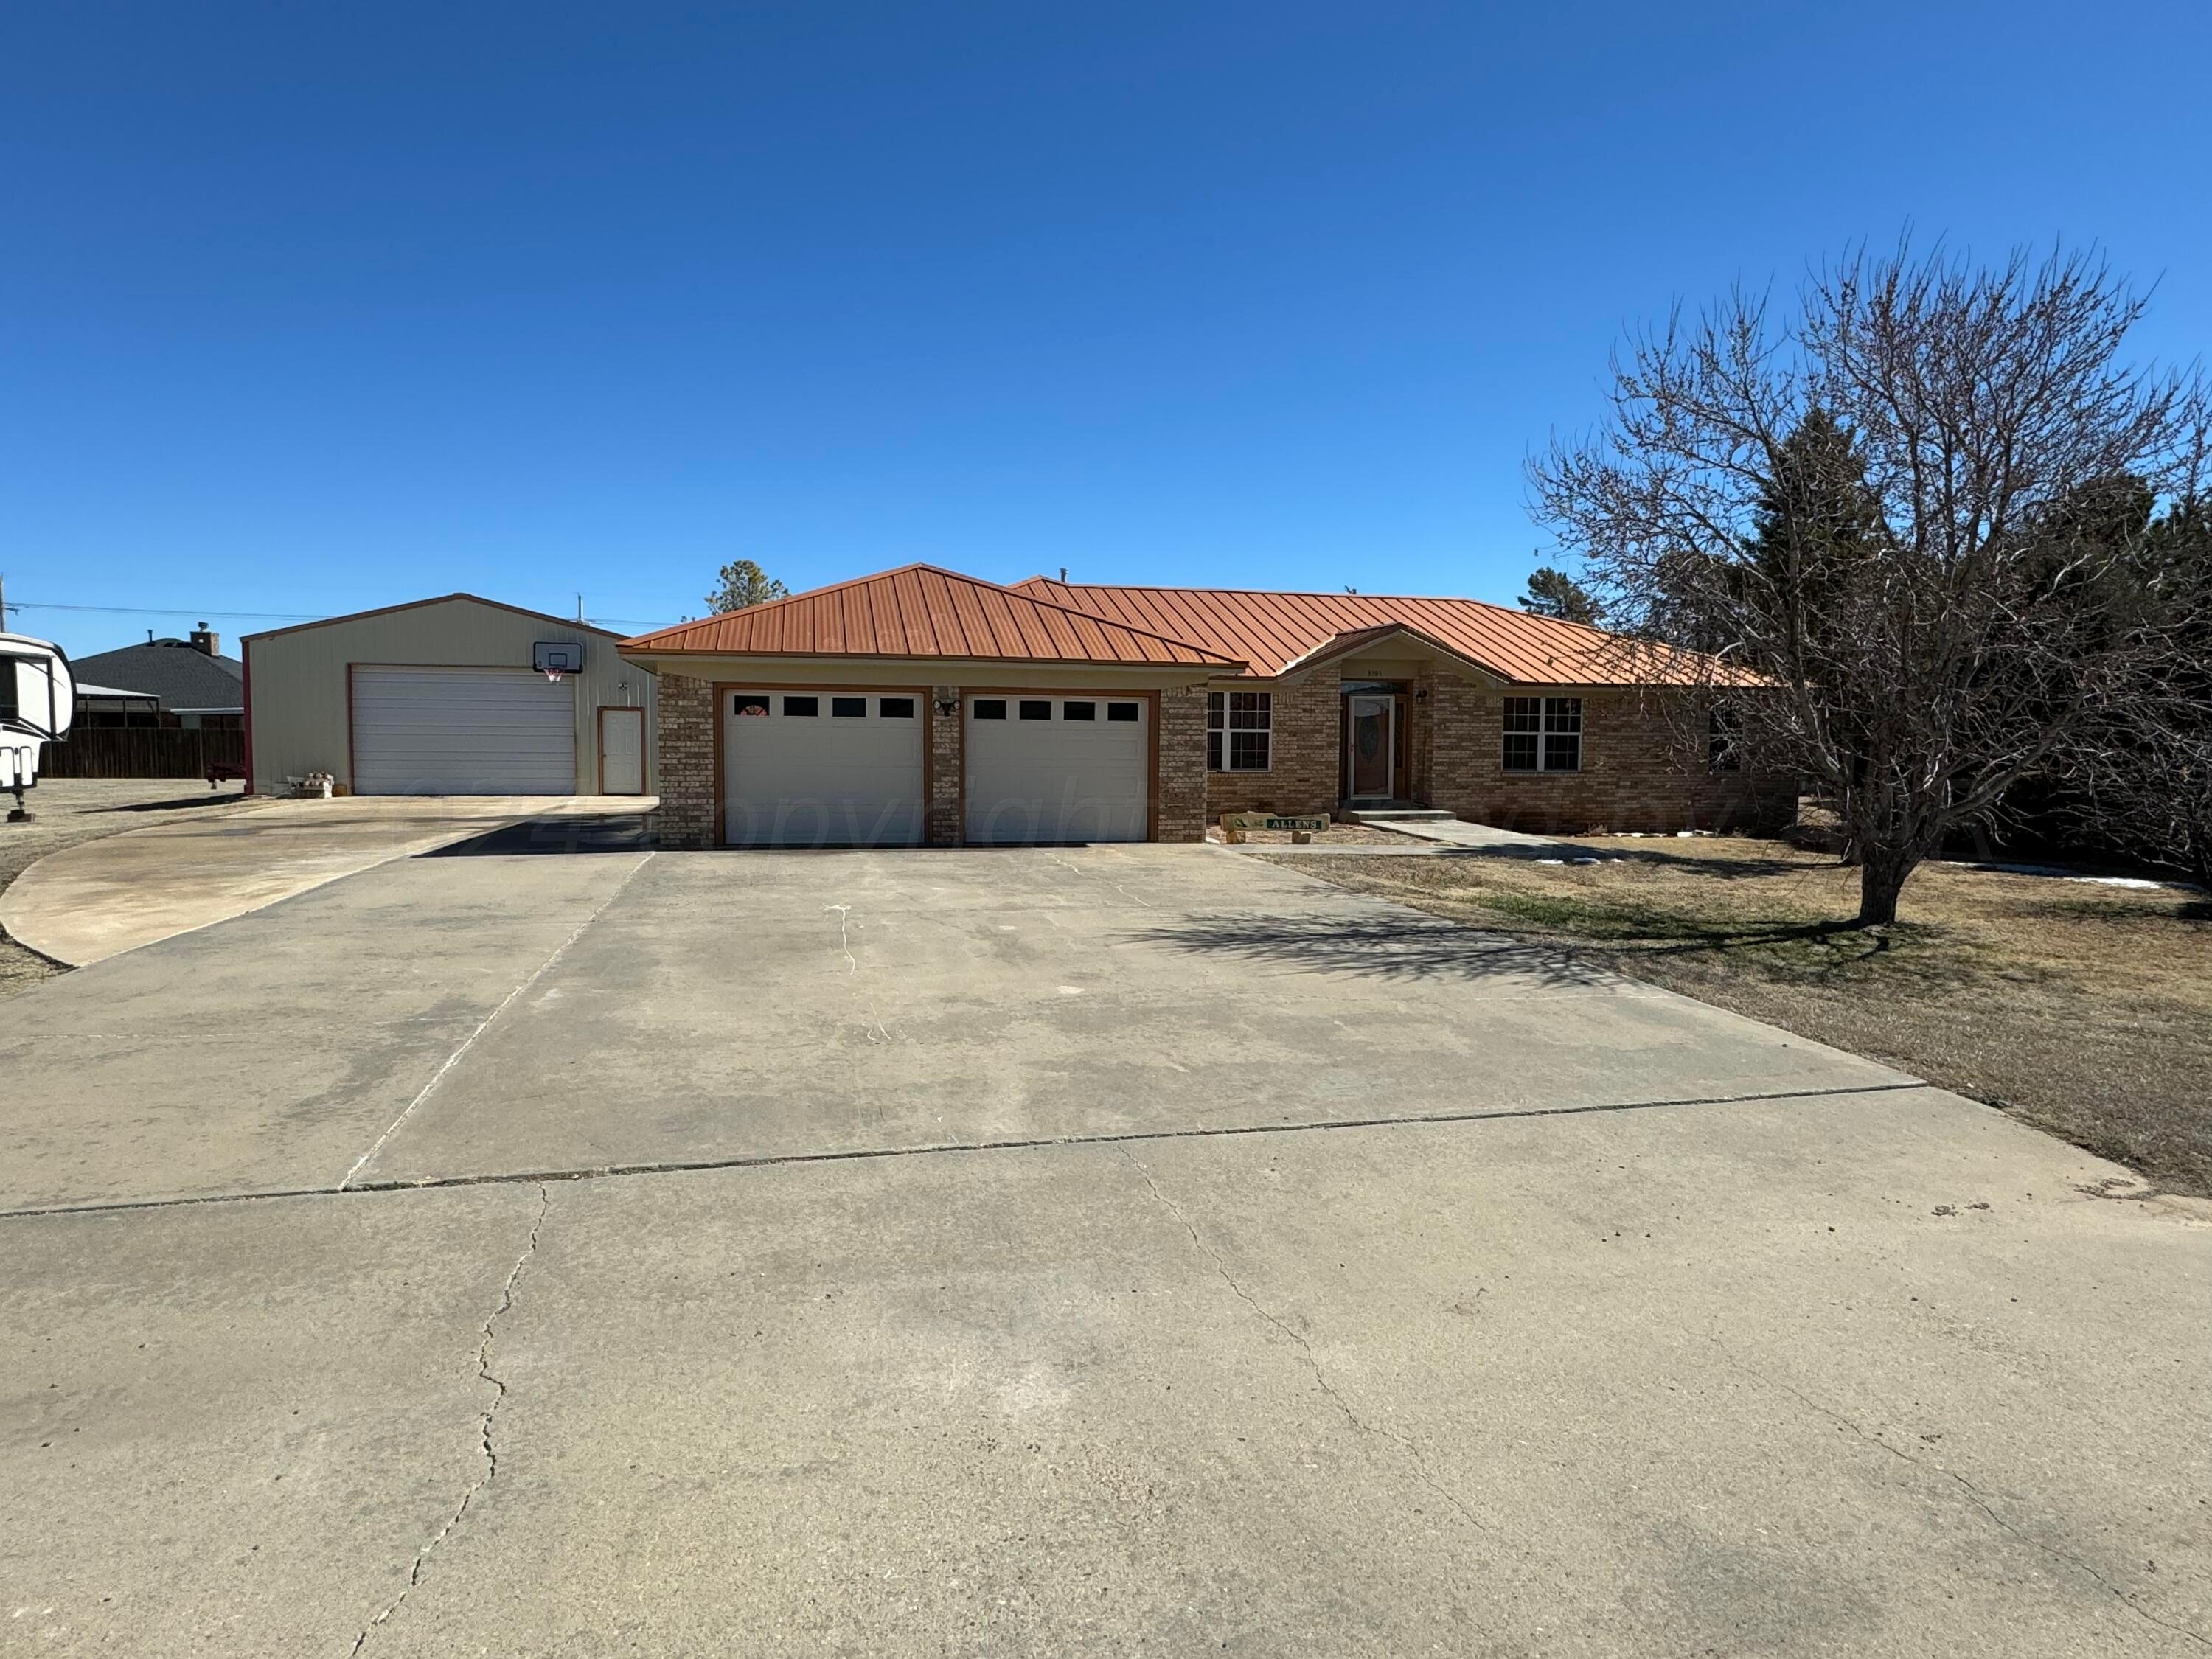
[(687, 734), (1422, 713), (1182, 783), (1458, 746), (947, 756)]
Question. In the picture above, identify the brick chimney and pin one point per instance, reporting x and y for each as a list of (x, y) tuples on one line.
[(207, 644)]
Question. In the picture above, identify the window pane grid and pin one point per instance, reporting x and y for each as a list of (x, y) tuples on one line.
[(1542, 734), (1238, 734)]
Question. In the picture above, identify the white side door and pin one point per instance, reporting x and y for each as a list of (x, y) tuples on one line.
[(622, 751), (462, 731), (833, 768), (1058, 768)]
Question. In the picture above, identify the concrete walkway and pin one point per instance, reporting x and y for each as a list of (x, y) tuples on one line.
[(1458, 832), (90, 901), (1430, 837)]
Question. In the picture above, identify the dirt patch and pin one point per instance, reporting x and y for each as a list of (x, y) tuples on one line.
[(72, 810), (2082, 1008)]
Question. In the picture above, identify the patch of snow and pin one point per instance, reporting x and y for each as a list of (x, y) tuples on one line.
[(2059, 872), (1593, 861), (1551, 860)]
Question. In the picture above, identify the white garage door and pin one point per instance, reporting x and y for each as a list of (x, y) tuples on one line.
[(1057, 768), (462, 731), (822, 768)]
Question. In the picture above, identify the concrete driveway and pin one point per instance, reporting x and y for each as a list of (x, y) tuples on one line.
[(87, 902), (565, 1247)]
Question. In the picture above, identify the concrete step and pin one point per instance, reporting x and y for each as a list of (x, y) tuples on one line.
[(1390, 815)]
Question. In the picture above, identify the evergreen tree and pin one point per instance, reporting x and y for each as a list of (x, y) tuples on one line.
[(743, 583), (1552, 592)]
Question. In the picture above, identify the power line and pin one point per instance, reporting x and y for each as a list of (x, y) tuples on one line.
[(236, 615), (164, 610)]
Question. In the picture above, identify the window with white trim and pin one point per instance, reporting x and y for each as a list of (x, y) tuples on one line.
[(1543, 734), (1723, 739), (1239, 731)]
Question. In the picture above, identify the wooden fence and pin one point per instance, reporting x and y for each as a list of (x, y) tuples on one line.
[(142, 752)]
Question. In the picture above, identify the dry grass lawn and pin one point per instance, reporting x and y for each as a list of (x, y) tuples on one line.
[(2084, 1009)]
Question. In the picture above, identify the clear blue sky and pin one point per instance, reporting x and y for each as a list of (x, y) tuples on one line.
[(306, 308)]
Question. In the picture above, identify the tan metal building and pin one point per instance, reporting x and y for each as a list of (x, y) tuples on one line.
[(448, 696)]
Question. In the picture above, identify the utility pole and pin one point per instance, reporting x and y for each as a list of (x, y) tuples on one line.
[(579, 607)]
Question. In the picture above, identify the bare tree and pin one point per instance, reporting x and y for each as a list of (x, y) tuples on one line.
[(1868, 511)]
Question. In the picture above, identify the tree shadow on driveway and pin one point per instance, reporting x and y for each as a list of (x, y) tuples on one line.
[(1375, 947)]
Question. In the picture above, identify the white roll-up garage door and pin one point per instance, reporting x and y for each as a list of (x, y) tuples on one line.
[(1057, 768), (822, 768), (462, 731)]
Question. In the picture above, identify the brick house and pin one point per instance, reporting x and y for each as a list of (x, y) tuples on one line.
[(920, 706)]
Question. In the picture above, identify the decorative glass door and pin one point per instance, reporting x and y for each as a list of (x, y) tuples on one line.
[(1368, 732)]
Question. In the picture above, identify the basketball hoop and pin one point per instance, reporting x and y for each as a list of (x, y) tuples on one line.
[(553, 676)]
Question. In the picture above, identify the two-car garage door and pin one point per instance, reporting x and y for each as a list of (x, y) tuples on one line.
[(462, 731), (845, 767)]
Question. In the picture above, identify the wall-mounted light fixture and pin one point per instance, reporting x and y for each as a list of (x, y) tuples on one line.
[(947, 698)]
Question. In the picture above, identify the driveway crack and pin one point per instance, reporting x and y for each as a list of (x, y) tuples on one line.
[(1335, 1396), (1975, 1496), (486, 1444)]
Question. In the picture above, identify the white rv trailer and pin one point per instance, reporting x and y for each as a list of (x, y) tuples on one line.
[(38, 700)]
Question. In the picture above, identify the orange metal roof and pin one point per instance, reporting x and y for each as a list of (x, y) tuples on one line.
[(1275, 632), (920, 610)]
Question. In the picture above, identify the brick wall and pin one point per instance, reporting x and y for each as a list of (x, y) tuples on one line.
[(947, 756), (1183, 781), (1306, 751), (1633, 777), (687, 762), (1636, 773)]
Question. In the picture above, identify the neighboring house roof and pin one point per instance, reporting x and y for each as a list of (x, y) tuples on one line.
[(569, 624), (1279, 633), (176, 672), (921, 610), (84, 690)]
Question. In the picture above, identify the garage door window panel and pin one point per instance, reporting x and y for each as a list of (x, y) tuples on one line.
[(1037, 711), (848, 709), (801, 708)]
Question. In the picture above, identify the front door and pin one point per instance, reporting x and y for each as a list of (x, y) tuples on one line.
[(1371, 741)]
